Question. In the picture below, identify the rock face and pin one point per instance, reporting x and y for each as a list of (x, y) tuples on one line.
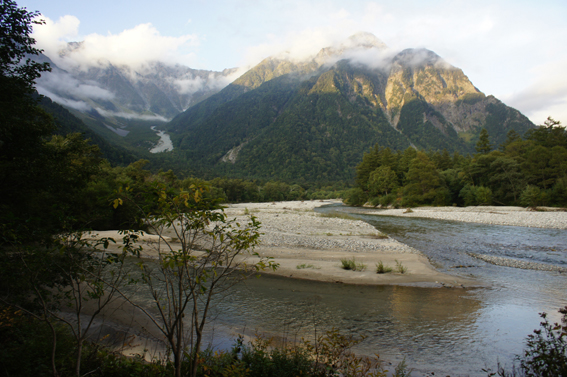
[(313, 119)]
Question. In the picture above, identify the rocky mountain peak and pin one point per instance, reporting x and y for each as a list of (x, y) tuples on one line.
[(364, 40)]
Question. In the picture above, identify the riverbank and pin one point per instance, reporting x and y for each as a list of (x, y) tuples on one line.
[(309, 245), (546, 217)]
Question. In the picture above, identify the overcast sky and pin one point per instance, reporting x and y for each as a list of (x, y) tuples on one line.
[(513, 49)]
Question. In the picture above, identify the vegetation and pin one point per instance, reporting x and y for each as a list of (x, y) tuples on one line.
[(351, 264), (545, 353), (529, 171), (305, 265), (400, 267), (382, 269)]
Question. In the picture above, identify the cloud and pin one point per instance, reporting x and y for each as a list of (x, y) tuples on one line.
[(61, 82), (546, 94), (134, 47), (74, 104), (192, 84), (125, 115)]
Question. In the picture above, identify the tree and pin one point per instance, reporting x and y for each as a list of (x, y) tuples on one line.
[(423, 182), (483, 144), (16, 43), (506, 179), (200, 254), (73, 272), (23, 126), (382, 181)]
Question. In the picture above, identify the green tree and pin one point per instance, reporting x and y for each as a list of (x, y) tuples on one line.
[(506, 180), (423, 182), (200, 254), (23, 126), (382, 181), (483, 144), (16, 44)]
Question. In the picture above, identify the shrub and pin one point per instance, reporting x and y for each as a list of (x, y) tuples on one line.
[(483, 195), (355, 197), (546, 349), (531, 196), (376, 201), (545, 354), (386, 200)]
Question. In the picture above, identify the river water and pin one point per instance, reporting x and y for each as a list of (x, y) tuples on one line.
[(164, 144), (455, 332)]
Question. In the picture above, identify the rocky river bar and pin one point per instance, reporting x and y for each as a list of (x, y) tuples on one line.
[(310, 245)]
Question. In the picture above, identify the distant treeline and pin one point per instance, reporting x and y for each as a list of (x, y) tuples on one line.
[(529, 171)]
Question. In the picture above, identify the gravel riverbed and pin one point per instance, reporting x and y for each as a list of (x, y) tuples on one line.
[(294, 224), (554, 218)]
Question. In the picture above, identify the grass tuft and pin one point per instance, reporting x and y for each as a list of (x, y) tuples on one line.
[(401, 268), (351, 264), (382, 269), (303, 265)]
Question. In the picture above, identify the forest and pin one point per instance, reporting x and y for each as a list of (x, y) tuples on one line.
[(530, 171)]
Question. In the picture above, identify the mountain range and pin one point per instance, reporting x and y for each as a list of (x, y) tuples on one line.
[(297, 120), (313, 119), (153, 91)]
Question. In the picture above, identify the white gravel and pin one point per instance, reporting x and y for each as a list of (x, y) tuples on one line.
[(517, 216), (294, 224)]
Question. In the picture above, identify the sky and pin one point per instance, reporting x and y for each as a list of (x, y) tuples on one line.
[(515, 50)]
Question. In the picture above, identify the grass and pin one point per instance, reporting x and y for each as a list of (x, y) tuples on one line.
[(382, 269), (338, 215), (350, 264), (304, 265), (401, 268)]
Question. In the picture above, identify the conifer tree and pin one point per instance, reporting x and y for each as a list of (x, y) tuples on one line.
[(483, 145)]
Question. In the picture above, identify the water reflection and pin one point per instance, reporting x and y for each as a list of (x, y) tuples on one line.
[(449, 331), (419, 324)]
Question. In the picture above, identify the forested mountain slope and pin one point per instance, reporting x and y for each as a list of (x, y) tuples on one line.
[(312, 120)]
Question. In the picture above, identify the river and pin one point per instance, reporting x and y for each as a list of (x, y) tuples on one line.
[(164, 144), (455, 332)]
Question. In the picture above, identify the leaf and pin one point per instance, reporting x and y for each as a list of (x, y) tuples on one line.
[(117, 202)]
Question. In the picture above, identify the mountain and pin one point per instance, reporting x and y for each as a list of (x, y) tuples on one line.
[(67, 123), (312, 120), (155, 91)]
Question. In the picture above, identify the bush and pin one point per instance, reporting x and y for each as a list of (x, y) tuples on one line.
[(483, 195), (546, 349), (545, 354), (531, 196), (476, 195), (355, 197)]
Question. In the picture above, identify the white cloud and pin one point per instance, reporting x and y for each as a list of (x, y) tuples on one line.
[(545, 95), (77, 105), (61, 82), (125, 115), (133, 47)]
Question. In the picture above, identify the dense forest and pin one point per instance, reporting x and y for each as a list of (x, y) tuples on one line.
[(530, 171)]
